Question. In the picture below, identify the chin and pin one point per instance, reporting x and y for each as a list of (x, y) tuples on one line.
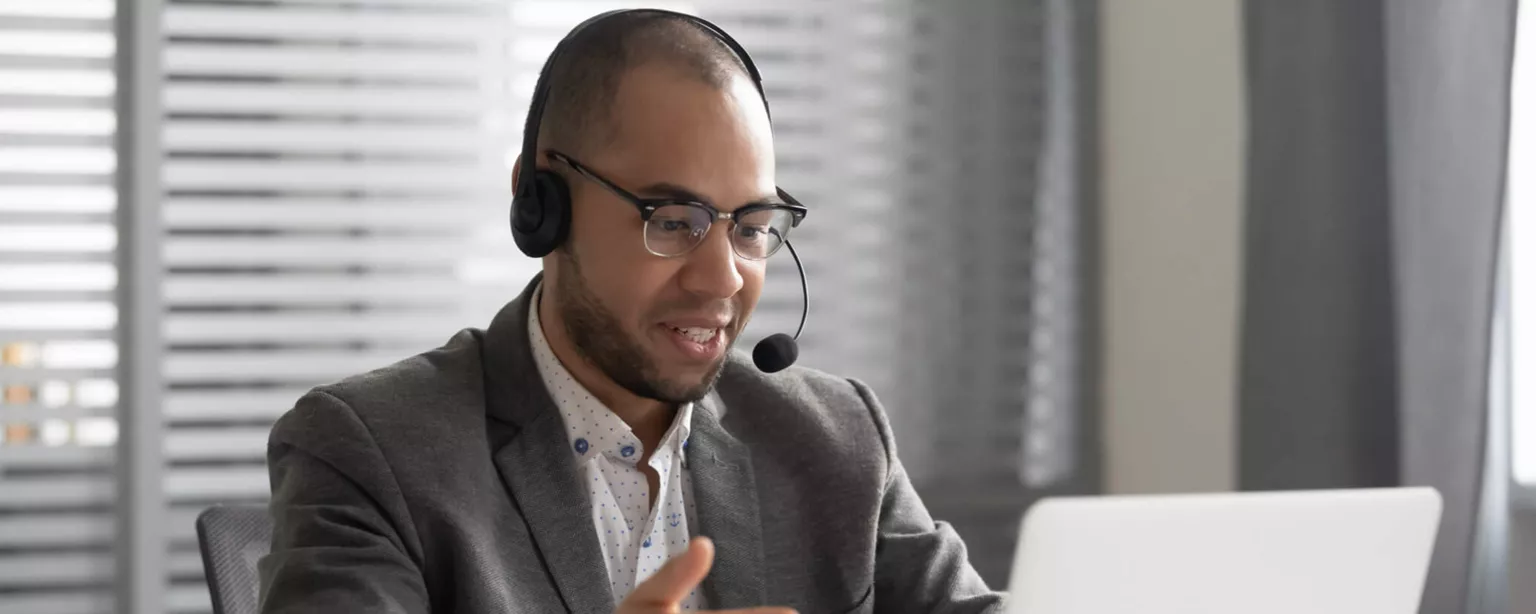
[(692, 384)]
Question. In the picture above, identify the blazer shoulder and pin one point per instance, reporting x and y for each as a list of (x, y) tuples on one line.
[(392, 400), (452, 369), (808, 388), (808, 402), (796, 381)]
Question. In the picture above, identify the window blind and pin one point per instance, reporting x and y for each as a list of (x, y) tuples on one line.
[(335, 201), (57, 318)]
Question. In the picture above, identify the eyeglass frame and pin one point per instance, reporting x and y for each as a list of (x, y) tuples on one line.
[(648, 206)]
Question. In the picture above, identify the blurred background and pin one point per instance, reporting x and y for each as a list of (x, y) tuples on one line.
[(1077, 247)]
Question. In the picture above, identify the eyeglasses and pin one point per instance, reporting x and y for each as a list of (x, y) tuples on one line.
[(674, 227)]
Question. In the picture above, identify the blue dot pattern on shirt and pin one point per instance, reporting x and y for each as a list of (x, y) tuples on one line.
[(607, 457)]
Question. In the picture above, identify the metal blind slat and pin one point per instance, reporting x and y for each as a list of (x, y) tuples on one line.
[(415, 5), (55, 457), (32, 570), (245, 483), (57, 83), (299, 289), (316, 137), (306, 175), (59, 9), (188, 597), (224, 60), (302, 327), (31, 493), (231, 406), (59, 601), (325, 24), (333, 252), (316, 214), (288, 365), (55, 530), (360, 99), (248, 444)]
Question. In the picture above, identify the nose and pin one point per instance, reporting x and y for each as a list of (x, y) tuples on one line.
[(711, 270)]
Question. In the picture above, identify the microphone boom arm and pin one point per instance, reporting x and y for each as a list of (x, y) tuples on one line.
[(805, 294)]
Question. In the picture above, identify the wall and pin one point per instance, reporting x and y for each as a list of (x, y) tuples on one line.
[(1522, 560), (1172, 151)]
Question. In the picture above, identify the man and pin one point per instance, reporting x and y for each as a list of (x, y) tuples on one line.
[(599, 443)]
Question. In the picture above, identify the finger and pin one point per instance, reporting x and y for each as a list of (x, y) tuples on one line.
[(670, 584)]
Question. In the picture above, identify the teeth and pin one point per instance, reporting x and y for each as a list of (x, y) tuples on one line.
[(697, 334)]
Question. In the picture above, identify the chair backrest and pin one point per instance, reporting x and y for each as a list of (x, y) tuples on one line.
[(232, 539)]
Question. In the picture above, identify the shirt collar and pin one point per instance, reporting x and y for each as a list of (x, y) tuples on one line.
[(590, 427)]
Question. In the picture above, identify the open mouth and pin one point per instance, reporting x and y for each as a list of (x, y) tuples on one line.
[(697, 334), (697, 343)]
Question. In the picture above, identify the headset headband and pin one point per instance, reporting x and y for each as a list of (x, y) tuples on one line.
[(541, 90)]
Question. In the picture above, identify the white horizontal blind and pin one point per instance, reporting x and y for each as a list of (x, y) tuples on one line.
[(57, 275), (335, 201)]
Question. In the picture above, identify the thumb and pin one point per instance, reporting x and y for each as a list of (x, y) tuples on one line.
[(670, 584)]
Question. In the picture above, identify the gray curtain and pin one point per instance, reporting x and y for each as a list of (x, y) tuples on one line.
[(1375, 183)]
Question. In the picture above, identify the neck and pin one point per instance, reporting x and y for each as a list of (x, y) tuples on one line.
[(648, 418)]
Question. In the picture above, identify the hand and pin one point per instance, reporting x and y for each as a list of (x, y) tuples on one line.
[(669, 585)]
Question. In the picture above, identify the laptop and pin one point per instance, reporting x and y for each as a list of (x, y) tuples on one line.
[(1299, 552)]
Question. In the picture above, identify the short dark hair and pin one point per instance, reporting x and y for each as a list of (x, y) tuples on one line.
[(586, 76)]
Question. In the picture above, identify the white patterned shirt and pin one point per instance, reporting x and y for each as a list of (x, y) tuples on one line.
[(637, 538)]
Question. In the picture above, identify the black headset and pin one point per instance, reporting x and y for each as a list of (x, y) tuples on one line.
[(541, 202)]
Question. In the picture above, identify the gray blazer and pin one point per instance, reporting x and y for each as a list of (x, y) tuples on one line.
[(443, 484)]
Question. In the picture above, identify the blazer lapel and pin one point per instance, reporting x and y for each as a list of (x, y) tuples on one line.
[(725, 497), (541, 473), (536, 465)]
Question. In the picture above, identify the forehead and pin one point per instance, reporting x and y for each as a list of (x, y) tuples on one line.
[(670, 126)]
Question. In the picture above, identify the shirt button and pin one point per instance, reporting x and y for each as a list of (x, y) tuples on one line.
[(646, 543), (581, 446), (627, 451)]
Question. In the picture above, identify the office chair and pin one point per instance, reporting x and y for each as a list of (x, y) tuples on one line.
[(232, 539)]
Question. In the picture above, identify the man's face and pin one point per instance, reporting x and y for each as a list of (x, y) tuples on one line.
[(661, 327)]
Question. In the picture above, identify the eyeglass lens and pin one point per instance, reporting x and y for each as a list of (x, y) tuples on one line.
[(674, 230)]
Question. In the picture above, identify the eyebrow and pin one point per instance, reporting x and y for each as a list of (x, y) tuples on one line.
[(673, 191)]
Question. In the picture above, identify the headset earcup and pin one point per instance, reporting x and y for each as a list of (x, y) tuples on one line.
[(542, 220)]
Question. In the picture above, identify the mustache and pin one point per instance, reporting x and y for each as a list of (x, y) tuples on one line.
[(727, 309)]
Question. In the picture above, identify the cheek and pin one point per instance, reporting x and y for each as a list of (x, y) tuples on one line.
[(753, 275), (595, 222), (612, 259), (628, 283)]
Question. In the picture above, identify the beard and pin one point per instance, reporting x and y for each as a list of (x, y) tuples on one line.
[(601, 341)]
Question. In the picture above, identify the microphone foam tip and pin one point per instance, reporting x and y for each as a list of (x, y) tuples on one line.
[(775, 353)]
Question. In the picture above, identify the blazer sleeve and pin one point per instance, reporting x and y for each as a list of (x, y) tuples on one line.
[(337, 540), (920, 564)]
